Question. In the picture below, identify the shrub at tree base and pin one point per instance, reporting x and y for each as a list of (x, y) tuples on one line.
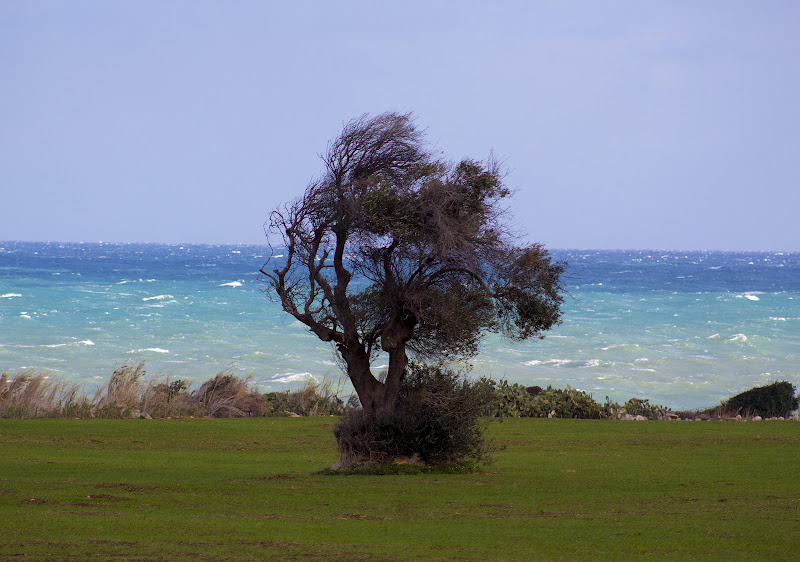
[(437, 422), (774, 400)]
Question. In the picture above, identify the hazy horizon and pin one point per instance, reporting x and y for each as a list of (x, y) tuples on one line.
[(264, 244)]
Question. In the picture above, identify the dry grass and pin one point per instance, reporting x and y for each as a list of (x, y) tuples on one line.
[(124, 393), (226, 396), (31, 395), (130, 393)]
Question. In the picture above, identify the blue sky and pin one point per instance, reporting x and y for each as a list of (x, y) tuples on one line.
[(625, 124)]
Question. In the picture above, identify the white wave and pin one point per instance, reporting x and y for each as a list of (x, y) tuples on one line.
[(617, 346), (713, 336), (158, 298), (24, 315), (564, 363), (293, 377), (641, 360), (153, 349), (232, 284), (559, 362), (738, 337), (778, 319), (10, 295), (84, 342), (255, 354), (751, 297)]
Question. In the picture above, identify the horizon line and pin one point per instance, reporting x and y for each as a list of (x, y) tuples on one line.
[(549, 248)]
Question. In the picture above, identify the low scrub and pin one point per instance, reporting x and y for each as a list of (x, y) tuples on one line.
[(636, 407), (312, 400), (515, 400), (131, 393)]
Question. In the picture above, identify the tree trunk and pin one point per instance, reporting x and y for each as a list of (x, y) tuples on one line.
[(397, 370), (374, 395), (368, 388)]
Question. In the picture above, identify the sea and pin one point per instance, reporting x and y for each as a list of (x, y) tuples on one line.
[(682, 329)]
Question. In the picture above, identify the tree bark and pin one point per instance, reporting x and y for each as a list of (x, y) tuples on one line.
[(376, 396), (398, 360), (368, 388)]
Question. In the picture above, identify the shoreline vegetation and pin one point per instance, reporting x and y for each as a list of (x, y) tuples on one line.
[(130, 393)]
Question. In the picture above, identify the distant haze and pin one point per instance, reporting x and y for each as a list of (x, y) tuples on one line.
[(625, 124)]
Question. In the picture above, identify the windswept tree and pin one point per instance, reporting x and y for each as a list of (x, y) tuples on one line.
[(392, 250)]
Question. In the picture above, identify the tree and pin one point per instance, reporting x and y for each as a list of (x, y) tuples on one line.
[(392, 250)]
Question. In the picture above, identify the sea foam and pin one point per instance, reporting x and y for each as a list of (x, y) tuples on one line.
[(293, 377)]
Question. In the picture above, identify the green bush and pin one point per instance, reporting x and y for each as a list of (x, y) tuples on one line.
[(643, 407), (566, 403), (774, 400), (437, 421), (635, 407), (511, 400), (515, 400)]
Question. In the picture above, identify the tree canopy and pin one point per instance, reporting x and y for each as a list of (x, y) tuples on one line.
[(395, 250)]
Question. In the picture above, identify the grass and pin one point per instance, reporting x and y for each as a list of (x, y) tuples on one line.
[(252, 489)]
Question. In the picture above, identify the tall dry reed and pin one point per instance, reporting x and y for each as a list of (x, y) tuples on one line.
[(130, 393), (227, 396), (33, 395)]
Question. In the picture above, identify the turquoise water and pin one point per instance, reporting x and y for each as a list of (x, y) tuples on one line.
[(686, 329)]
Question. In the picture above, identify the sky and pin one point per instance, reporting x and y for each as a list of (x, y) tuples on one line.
[(641, 124)]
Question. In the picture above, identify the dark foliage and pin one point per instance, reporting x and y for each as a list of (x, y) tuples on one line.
[(437, 422), (774, 400), (534, 390)]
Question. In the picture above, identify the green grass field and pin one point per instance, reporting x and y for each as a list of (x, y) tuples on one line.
[(249, 489)]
